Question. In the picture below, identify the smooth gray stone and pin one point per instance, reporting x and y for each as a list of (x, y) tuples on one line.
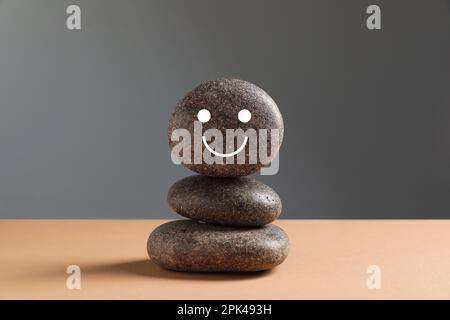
[(190, 246), (224, 99), (225, 201)]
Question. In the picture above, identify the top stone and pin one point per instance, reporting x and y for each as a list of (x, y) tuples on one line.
[(226, 128)]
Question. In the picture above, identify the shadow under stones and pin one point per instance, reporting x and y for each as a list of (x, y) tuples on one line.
[(149, 268)]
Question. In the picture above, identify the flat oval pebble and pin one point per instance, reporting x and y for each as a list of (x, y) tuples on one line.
[(225, 201), (221, 102), (190, 246)]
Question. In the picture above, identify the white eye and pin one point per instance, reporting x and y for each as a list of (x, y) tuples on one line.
[(244, 116), (203, 115)]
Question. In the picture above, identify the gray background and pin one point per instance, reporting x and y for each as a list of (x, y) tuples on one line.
[(83, 114)]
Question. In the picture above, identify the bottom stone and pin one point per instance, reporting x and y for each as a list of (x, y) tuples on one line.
[(187, 245)]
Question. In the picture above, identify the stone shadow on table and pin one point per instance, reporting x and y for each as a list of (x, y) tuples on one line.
[(147, 268)]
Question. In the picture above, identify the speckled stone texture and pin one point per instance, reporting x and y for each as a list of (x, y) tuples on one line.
[(230, 230), (187, 245), (224, 98), (225, 201)]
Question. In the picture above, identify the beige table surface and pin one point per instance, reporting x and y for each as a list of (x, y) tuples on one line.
[(328, 259)]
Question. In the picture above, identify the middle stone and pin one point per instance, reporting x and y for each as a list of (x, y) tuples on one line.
[(240, 202)]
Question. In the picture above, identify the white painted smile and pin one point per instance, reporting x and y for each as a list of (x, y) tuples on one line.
[(225, 155)]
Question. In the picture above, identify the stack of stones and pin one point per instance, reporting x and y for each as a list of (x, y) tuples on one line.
[(229, 215)]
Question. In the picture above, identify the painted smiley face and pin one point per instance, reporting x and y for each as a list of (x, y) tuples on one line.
[(223, 105), (244, 116)]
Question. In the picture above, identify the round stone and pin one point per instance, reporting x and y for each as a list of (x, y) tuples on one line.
[(187, 245), (223, 107), (225, 201)]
